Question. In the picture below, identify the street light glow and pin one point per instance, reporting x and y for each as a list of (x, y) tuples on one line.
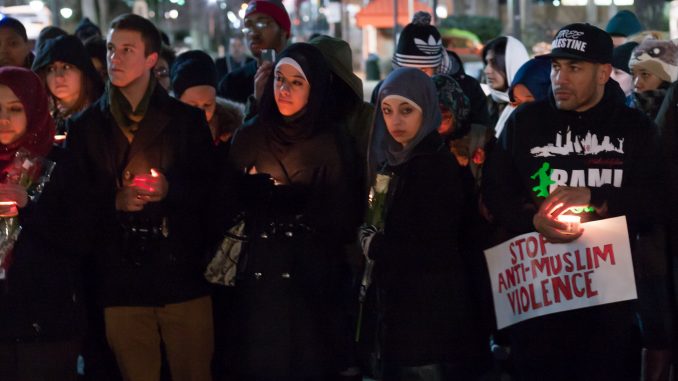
[(66, 12), (36, 5), (232, 17), (441, 11)]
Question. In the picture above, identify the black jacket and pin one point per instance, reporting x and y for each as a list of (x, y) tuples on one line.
[(238, 85), (421, 275), (41, 299), (288, 286), (611, 149), (174, 138), (223, 67)]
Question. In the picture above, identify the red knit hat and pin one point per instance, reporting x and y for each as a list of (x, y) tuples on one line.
[(274, 9)]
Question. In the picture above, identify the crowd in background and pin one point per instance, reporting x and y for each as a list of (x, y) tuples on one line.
[(214, 219)]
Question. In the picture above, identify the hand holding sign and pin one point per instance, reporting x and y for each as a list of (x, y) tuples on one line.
[(532, 277)]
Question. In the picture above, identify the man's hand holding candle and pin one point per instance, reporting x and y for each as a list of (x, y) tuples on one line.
[(144, 188), (151, 187), (558, 202)]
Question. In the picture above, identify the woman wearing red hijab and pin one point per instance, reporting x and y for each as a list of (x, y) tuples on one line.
[(40, 303)]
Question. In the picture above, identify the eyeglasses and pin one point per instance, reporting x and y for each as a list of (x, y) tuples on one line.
[(258, 26), (161, 72)]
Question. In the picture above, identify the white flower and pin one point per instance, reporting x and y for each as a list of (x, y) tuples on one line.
[(381, 184)]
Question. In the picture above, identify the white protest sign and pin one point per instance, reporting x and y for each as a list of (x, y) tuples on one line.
[(531, 277)]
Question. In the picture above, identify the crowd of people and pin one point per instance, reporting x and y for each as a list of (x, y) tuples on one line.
[(255, 219)]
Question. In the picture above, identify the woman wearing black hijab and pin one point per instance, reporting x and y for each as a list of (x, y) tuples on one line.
[(300, 212), (428, 313)]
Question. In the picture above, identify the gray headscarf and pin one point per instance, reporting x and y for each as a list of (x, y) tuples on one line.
[(416, 86)]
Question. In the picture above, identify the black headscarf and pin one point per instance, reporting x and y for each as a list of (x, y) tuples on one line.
[(314, 116)]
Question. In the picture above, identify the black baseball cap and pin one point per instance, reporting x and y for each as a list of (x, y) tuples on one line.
[(582, 42)]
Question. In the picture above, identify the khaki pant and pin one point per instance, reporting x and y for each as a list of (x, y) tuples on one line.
[(186, 329)]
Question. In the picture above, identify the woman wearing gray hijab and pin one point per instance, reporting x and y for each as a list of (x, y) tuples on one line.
[(427, 307)]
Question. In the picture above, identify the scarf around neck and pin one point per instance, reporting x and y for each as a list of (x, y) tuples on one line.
[(121, 109)]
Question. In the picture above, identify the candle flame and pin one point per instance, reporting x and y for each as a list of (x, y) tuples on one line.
[(569, 218)]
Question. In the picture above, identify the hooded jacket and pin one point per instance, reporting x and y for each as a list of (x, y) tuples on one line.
[(515, 56), (358, 119), (609, 148)]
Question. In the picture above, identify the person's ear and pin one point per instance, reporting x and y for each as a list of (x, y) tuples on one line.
[(151, 60), (604, 72)]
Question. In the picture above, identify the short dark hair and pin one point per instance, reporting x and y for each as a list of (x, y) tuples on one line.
[(149, 33), (15, 25)]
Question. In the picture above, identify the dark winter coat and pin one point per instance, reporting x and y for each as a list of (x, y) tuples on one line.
[(238, 85), (226, 65), (420, 273), (287, 287), (41, 299), (174, 138)]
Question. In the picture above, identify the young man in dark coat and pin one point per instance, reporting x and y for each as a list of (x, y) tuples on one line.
[(141, 164), (267, 26), (561, 151)]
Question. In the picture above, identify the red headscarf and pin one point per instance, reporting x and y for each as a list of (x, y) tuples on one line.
[(40, 130)]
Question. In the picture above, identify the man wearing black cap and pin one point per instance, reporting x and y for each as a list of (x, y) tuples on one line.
[(580, 149)]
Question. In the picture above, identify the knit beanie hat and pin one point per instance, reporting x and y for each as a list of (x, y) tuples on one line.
[(624, 23), (14, 24), (621, 56), (658, 57), (419, 45), (193, 68), (86, 29), (275, 9)]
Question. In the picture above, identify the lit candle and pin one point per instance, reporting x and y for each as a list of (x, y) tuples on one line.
[(147, 182), (571, 221)]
